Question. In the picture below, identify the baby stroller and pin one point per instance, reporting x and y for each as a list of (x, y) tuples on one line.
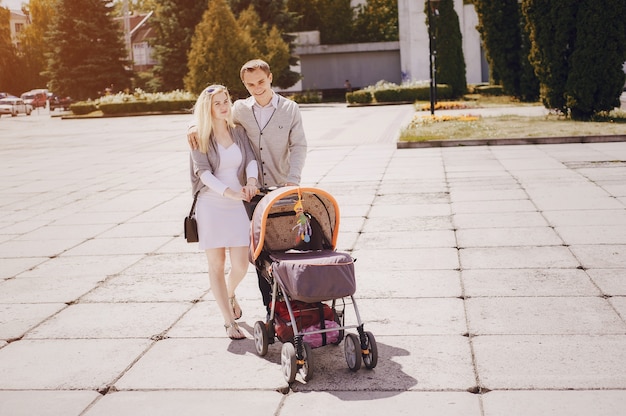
[(293, 236)]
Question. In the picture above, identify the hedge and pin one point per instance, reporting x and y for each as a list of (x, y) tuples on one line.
[(400, 94)]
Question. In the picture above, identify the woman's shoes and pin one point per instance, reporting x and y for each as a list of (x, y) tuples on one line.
[(236, 308), (233, 331)]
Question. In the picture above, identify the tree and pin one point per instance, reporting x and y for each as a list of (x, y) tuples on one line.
[(577, 50), (175, 23), (450, 62), (134, 6), (33, 42), (306, 13), (273, 15), (269, 43), (377, 21), (498, 25), (218, 49), (87, 53), (596, 79), (335, 21), (9, 63), (271, 12)]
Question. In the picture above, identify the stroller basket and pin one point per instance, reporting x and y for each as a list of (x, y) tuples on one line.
[(314, 276)]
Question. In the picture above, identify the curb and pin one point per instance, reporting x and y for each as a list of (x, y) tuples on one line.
[(512, 141)]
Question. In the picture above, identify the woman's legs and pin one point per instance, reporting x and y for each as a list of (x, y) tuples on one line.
[(238, 270), (216, 258)]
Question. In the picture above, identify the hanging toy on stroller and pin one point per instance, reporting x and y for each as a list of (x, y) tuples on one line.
[(310, 281)]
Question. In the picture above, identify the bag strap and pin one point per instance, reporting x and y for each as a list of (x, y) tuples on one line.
[(193, 206)]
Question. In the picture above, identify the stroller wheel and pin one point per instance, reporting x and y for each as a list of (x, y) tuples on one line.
[(260, 338), (306, 370), (352, 350), (288, 362), (371, 358)]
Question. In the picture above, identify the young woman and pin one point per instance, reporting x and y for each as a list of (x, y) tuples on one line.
[(225, 172)]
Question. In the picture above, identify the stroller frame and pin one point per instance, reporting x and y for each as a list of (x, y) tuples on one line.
[(296, 354)]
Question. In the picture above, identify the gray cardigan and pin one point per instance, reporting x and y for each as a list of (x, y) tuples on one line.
[(281, 146), (201, 162)]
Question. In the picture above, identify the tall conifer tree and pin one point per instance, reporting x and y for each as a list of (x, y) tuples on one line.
[(218, 49), (87, 52), (175, 23)]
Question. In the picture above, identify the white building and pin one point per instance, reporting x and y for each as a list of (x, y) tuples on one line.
[(328, 66)]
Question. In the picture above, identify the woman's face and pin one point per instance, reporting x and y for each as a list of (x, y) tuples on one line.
[(220, 106)]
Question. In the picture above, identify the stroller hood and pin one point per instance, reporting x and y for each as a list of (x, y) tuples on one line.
[(275, 222)]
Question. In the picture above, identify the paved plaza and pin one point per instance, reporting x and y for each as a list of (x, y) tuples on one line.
[(493, 277)]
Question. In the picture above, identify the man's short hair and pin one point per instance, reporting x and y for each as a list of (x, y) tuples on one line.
[(253, 65)]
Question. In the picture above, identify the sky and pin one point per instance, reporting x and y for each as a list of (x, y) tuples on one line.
[(13, 4)]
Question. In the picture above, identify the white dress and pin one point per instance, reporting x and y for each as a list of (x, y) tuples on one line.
[(222, 222)]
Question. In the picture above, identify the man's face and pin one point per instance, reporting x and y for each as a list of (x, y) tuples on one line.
[(258, 84)]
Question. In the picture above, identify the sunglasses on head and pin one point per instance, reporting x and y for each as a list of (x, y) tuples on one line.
[(213, 88)]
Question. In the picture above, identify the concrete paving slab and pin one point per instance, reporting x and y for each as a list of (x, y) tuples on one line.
[(601, 256), (411, 316), (204, 363), (503, 237), (593, 234), (539, 362), (619, 303), (81, 266), (397, 403), (150, 288), (517, 258), (408, 223), (17, 319), (56, 289), (528, 282), (580, 217), (554, 403), (408, 284), (118, 246), (612, 282), (500, 219), (407, 259), (188, 403), (12, 267), (542, 315), (49, 248), (406, 211), (69, 364), (488, 207), (406, 239), (110, 321), (45, 403), (55, 232)]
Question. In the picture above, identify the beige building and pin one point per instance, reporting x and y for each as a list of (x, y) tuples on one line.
[(17, 22)]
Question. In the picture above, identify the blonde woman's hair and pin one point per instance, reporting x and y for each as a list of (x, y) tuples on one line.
[(253, 65), (204, 116)]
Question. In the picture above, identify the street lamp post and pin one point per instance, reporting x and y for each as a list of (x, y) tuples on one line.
[(432, 49)]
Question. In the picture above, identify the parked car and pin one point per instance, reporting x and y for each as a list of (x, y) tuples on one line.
[(36, 98), (59, 102), (14, 106)]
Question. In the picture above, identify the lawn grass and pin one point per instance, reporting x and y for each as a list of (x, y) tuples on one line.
[(424, 127)]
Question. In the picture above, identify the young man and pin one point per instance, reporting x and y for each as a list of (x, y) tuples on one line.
[(274, 126)]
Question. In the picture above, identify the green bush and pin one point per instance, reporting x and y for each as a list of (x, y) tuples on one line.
[(138, 102), (411, 94), (83, 107), (494, 90), (359, 97)]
